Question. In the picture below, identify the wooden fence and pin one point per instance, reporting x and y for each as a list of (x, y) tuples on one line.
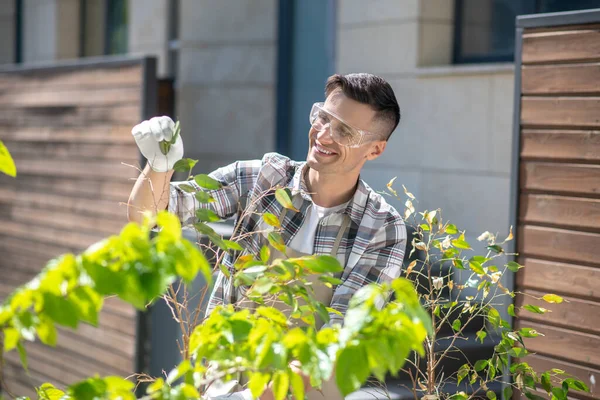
[(68, 127), (556, 191)]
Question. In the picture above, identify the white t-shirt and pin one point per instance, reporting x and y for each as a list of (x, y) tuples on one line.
[(305, 237)]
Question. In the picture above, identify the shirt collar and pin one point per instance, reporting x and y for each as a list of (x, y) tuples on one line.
[(356, 206)]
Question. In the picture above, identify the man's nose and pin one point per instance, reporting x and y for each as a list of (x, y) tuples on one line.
[(324, 135)]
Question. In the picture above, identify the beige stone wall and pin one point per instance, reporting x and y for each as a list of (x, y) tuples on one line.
[(148, 30), (226, 79), (453, 145), (50, 30), (7, 31)]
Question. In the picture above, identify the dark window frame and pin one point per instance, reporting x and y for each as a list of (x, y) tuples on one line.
[(457, 51)]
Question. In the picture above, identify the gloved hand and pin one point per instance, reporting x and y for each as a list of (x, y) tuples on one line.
[(154, 138)]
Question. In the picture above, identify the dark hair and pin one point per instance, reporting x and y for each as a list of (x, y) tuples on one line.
[(372, 90)]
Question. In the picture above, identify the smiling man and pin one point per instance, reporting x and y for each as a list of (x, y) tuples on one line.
[(339, 214)]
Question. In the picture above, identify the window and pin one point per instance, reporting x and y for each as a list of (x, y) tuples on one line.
[(485, 29), (116, 27)]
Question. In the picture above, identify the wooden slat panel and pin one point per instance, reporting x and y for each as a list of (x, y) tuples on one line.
[(18, 383), (561, 79), (66, 220), (103, 77), (560, 111), (561, 46), (71, 97), (69, 117), (560, 145), (39, 201), (106, 338), (111, 135), (569, 212), (569, 279), (559, 244), (122, 153), (541, 364), (573, 313), (78, 169), (115, 191), (52, 236), (560, 178), (566, 344)]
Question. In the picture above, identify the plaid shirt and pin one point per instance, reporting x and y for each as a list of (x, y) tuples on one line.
[(372, 248)]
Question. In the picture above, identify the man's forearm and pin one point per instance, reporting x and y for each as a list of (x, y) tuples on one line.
[(150, 193)]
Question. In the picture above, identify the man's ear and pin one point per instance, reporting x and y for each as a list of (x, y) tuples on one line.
[(377, 149)]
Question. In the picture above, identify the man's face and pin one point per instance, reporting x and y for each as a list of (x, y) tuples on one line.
[(329, 157)]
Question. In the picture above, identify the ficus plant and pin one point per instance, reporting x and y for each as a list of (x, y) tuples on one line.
[(262, 342), (476, 295), (140, 267)]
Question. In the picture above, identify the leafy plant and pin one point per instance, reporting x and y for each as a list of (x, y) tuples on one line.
[(455, 305), (265, 344)]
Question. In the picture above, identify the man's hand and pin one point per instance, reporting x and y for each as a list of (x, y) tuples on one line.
[(155, 140)]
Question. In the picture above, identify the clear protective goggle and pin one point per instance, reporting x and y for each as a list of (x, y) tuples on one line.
[(341, 132)]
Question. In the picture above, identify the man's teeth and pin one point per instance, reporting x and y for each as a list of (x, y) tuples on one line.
[(322, 150)]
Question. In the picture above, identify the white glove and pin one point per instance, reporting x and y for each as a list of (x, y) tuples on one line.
[(153, 137)]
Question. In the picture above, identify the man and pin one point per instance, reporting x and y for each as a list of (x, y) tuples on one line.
[(338, 212)]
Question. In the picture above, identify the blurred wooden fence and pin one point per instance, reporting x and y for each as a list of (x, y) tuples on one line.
[(68, 127), (556, 189)]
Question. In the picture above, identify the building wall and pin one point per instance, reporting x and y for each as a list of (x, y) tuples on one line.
[(452, 148), (226, 79), (7, 31)]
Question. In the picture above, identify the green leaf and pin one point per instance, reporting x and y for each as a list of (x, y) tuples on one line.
[(263, 285), (476, 267), (576, 384), (352, 369), (187, 188), (47, 331), (458, 263), (481, 335), (178, 372), (184, 165), (461, 244), (535, 309), (283, 197), (533, 396), (546, 384), (88, 303), (463, 372), (271, 220), (204, 197), (265, 254), (206, 215), (496, 249), (11, 339), (529, 332), (451, 229), (511, 310), (206, 182), (106, 281), (518, 352), (22, 356), (48, 392), (494, 317), (276, 241), (61, 310), (456, 325), (297, 385), (459, 396), (224, 270), (491, 395), (155, 386), (7, 164), (231, 245), (272, 314), (281, 385), (514, 266), (323, 263), (425, 227), (258, 383), (552, 298), (480, 365), (508, 392)]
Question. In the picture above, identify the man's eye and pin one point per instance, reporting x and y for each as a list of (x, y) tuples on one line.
[(344, 133)]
